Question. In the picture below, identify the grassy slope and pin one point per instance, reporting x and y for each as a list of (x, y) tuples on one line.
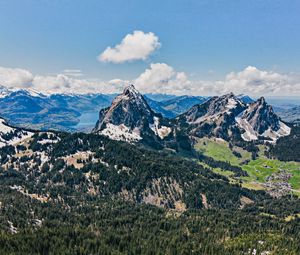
[(257, 169)]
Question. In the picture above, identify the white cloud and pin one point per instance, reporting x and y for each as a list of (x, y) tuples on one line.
[(135, 46), (162, 78), (15, 78), (64, 84), (58, 82), (159, 78), (12, 77), (254, 81)]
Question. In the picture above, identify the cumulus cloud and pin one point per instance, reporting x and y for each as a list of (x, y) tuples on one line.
[(135, 46), (16, 78), (159, 78), (64, 84), (162, 78), (12, 77), (254, 81)]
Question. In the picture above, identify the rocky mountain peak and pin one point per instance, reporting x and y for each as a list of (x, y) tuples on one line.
[(261, 116), (131, 99), (214, 108), (261, 101), (130, 117), (259, 119), (130, 90)]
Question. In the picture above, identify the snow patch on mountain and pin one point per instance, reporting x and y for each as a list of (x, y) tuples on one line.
[(10, 135), (249, 134), (4, 128), (283, 130), (259, 120), (231, 104), (48, 141), (162, 131), (121, 133), (213, 109)]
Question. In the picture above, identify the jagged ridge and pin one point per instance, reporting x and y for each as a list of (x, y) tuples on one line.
[(130, 118)]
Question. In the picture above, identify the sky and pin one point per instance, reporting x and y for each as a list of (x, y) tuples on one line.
[(203, 47)]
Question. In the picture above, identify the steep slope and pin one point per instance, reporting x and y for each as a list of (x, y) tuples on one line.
[(259, 119), (63, 189), (287, 148), (215, 117), (227, 117), (130, 118)]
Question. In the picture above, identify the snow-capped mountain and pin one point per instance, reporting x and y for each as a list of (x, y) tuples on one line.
[(70, 112), (4, 91), (229, 117), (130, 118)]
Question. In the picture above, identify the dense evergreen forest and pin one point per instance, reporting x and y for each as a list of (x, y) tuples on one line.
[(94, 226), (287, 148), (118, 198)]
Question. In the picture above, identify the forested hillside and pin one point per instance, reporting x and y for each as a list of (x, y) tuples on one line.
[(86, 194), (288, 148)]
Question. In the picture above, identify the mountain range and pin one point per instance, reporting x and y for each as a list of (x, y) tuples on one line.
[(79, 112), (227, 117)]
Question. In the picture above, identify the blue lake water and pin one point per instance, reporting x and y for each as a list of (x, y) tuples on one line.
[(87, 120)]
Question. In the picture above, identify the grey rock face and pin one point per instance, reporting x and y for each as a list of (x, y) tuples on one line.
[(215, 117), (261, 116), (130, 108)]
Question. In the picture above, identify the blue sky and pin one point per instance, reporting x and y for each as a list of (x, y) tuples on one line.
[(204, 39)]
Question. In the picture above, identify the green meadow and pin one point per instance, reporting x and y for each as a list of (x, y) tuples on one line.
[(258, 169)]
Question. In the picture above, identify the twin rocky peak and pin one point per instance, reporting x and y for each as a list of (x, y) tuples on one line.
[(130, 118)]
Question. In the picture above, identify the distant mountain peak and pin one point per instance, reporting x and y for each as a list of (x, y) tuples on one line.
[(214, 117), (245, 98)]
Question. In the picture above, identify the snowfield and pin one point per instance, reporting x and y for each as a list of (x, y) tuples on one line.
[(162, 132), (250, 134), (121, 133)]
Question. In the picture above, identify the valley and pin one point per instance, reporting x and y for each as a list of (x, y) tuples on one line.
[(259, 169)]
